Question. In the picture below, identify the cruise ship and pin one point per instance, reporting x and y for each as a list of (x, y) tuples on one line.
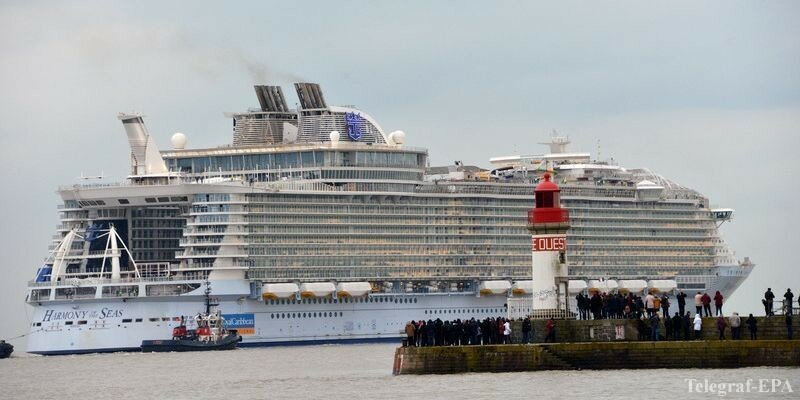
[(318, 226)]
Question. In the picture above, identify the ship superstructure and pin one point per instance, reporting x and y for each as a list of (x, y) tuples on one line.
[(319, 226)]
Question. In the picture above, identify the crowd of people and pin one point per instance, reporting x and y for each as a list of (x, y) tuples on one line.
[(651, 312), (769, 302), (470, 332), (457, 332)]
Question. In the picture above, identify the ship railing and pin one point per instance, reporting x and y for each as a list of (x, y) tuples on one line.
[(74, 282), (378, 273)]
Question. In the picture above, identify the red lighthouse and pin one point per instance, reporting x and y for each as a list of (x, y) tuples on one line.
[(548, 224)]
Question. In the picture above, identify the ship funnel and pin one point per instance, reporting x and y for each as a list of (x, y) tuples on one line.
[(145, 157), (271, 98), (310, 95)]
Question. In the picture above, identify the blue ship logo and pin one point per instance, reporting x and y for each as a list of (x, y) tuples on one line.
[(353, 125)]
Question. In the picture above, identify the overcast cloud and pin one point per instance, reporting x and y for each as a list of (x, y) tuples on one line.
[(705, 93)]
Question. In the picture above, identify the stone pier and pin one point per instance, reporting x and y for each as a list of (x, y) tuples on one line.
[(608, 344), (596, 355)]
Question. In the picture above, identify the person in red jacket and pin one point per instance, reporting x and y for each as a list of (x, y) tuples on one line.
[(706, 300), (718, 303), (550, 327)]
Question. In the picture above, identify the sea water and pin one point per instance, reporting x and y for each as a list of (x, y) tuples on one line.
[(355, 372)]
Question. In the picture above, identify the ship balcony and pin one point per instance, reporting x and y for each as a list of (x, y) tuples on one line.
[(548, 216)]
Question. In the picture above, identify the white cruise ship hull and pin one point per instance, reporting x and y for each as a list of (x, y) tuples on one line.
[(92, 326)]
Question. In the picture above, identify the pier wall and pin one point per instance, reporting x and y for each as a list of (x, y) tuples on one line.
[(597, 355)]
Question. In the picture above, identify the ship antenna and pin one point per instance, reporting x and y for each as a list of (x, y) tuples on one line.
[(208, 296), (598, 151)]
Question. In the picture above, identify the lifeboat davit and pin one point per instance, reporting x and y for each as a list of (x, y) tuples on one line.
[(316, 289), (632, 285), (494, 287), (576, 286), (353, 289), (661, 285), (605, 286), (279, 290), (521, 288)]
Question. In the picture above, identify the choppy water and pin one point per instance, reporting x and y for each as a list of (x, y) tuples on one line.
[(335, 372)]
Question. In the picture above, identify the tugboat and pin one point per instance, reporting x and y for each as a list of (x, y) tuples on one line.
[(210, 334), (5, 349)]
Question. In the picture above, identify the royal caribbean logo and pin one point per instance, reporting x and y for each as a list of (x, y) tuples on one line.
[(353, 125), (245, 324)]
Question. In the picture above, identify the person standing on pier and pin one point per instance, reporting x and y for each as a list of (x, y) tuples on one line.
[(677, 326), (718, 303), (769, 297), (411, 330), (526, 330), (665, 306), (687, 325), (654, 321), (706, 300), (550, 327), (788, 299), (736, 326), (752, 326), (698, 302), (668, 329), (681, 302), (649, 304), (698, 327), (506, 332), (721, 324)]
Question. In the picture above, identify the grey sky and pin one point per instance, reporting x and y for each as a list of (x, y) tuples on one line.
[(705, 93)]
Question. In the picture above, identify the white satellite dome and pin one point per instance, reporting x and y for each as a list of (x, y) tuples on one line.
[(334, 137), (397, 137), (178, 141)]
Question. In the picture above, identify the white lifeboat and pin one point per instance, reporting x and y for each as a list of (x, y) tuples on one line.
[(661, 285), (605, 286), (632, 285), (576, 286), (278, 290), (522, 288), (494, 287), (353, 289), (316, 289)]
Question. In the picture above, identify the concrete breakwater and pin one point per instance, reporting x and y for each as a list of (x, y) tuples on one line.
[(609, 343), (596, 355)]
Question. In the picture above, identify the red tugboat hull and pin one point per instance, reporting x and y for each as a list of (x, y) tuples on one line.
[(160, 346)]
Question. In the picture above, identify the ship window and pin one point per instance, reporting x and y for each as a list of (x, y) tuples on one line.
[(101, 202), (315, 315), (272, 316), (304, 315), (138, 320), (163, 199), (124, 201), (165, 319), (82, 322), (127, 321), (67, 322), (153, 319), (150, 199), (294, 315), (179, 198), (340, 313)]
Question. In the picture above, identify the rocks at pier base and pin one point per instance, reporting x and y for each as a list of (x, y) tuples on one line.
[(597, 355)]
